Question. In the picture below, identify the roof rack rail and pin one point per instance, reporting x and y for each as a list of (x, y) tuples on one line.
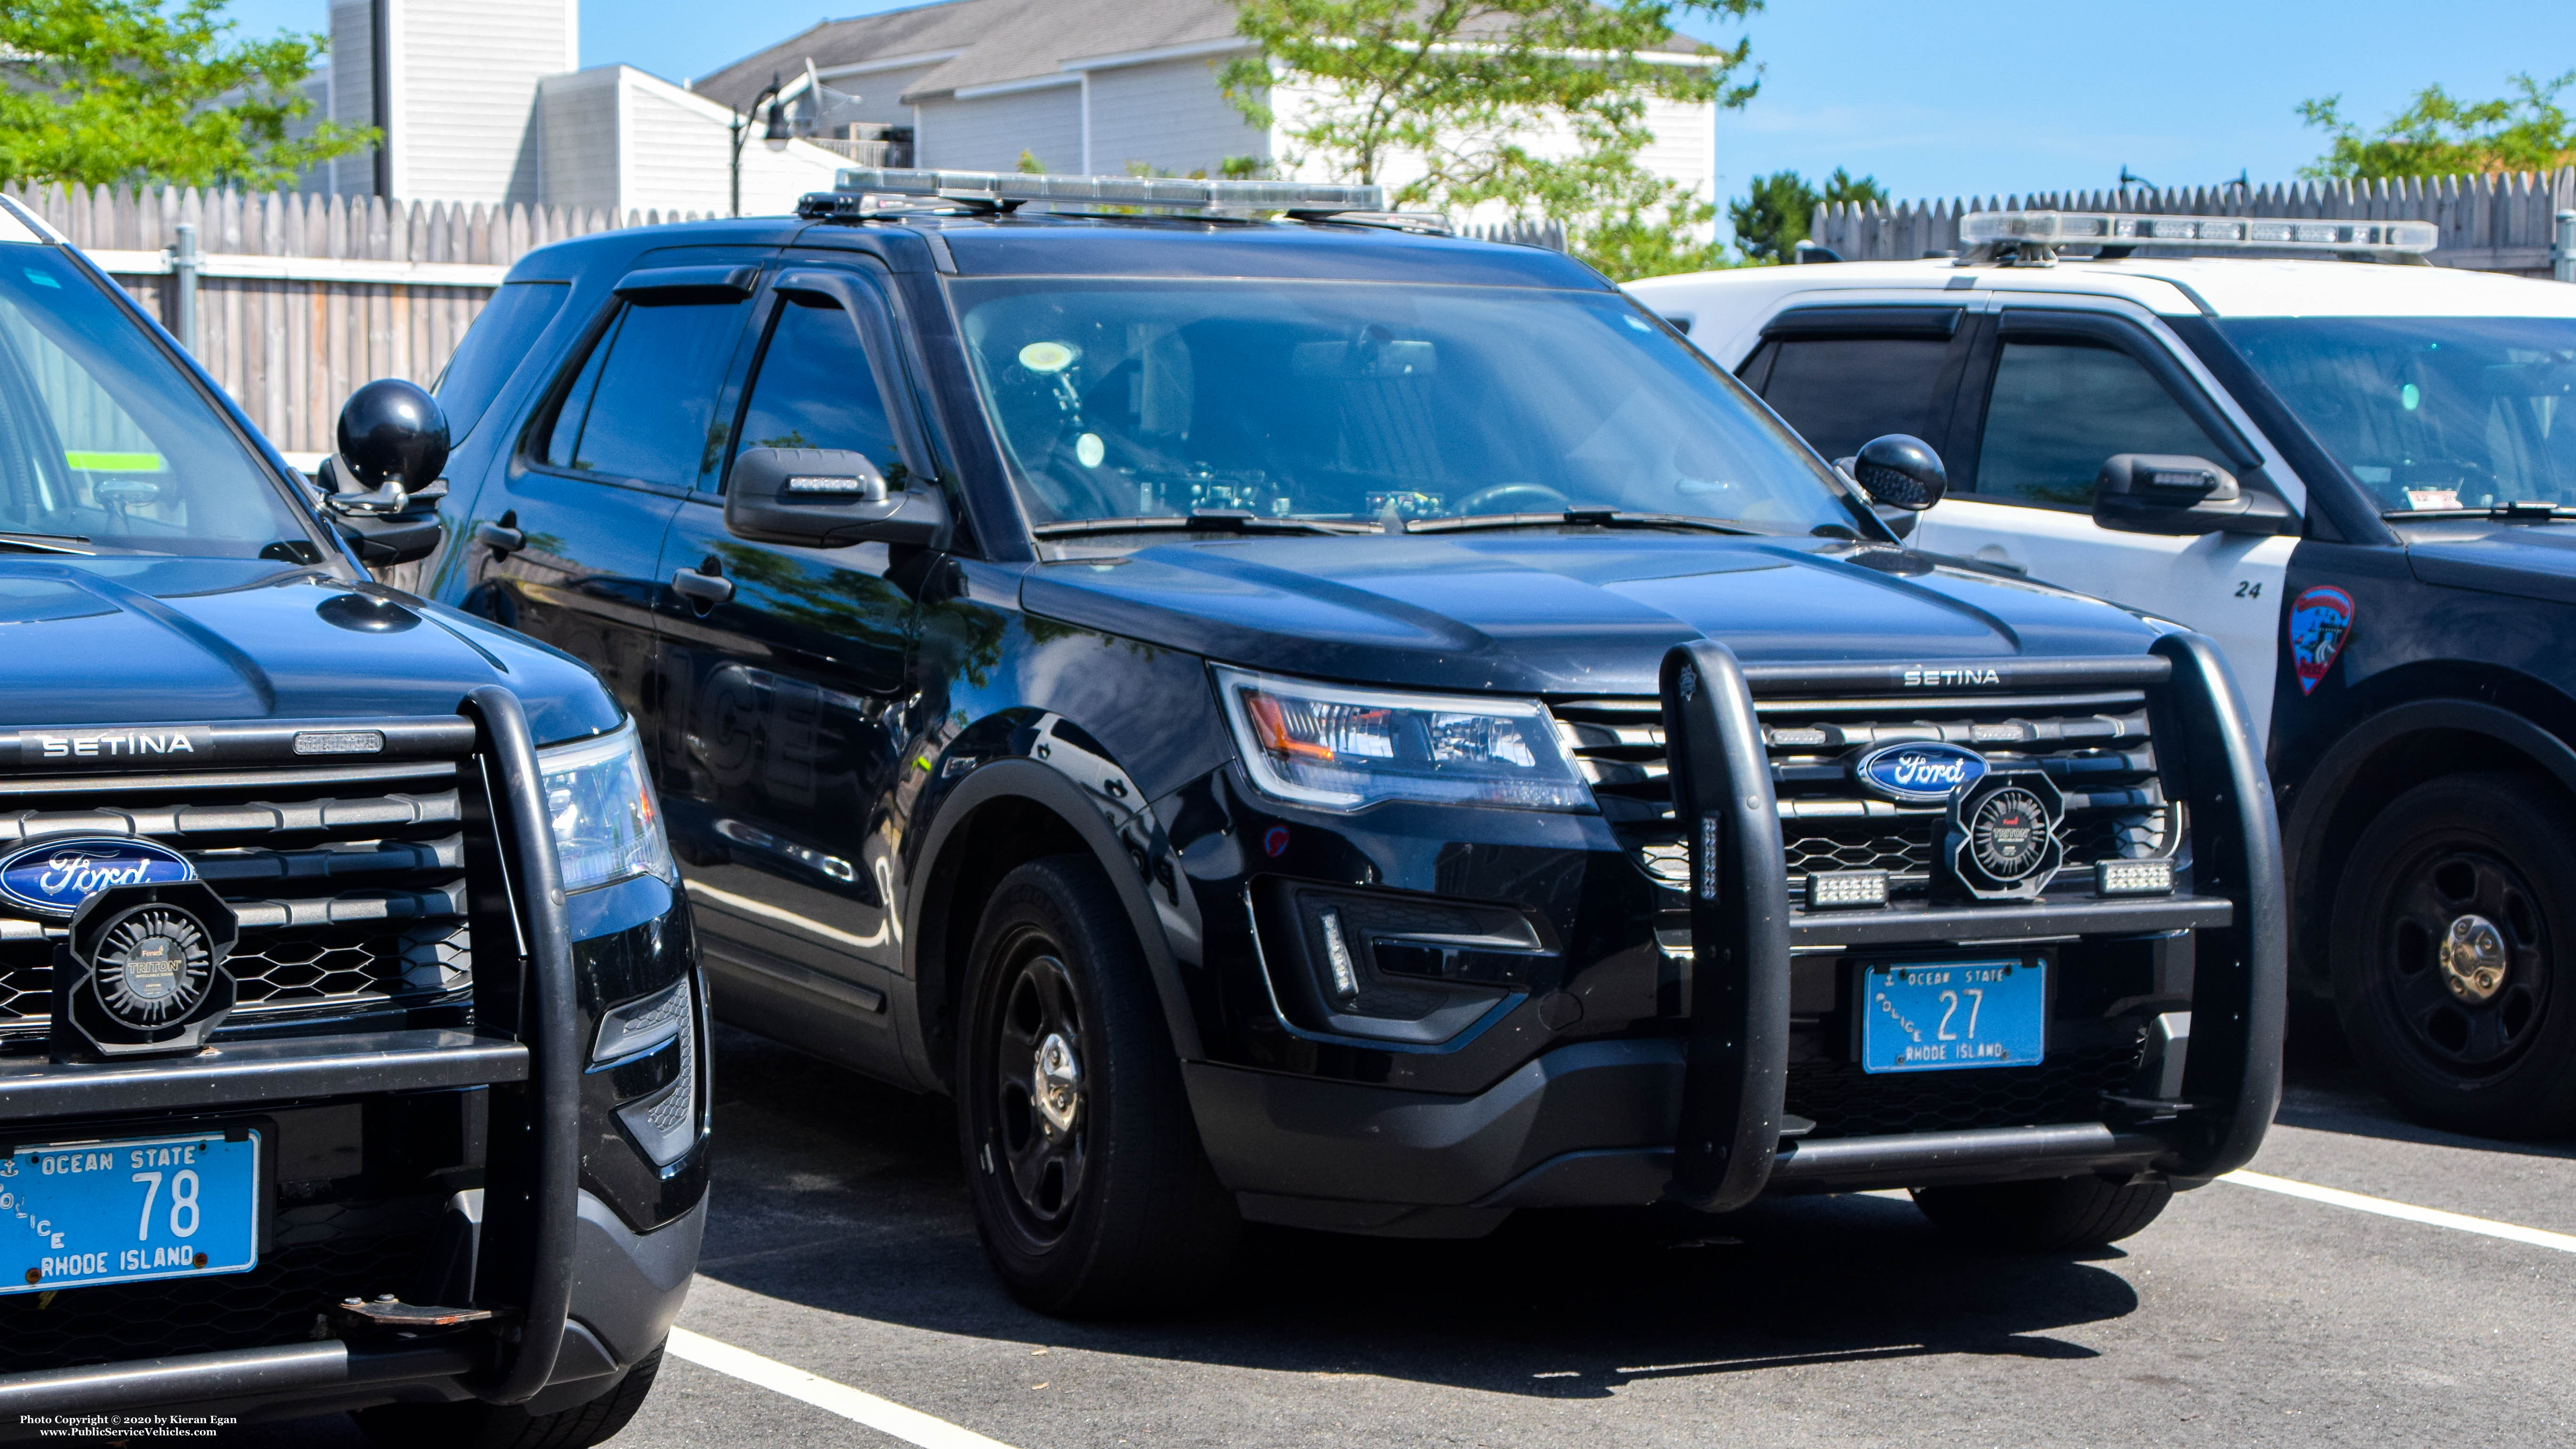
[(1002, 191), (2032, 238)]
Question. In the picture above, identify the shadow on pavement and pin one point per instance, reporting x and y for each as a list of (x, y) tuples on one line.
[(2325, 1090), (842, 1195)]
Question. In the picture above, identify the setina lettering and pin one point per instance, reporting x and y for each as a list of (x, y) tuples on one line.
[(64, 747), (1936, 676)]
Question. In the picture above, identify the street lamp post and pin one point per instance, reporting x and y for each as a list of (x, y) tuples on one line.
[(775, 136)]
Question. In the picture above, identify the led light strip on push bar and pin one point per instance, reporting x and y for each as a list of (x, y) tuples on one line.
[(2104, 228), (1002, 186)]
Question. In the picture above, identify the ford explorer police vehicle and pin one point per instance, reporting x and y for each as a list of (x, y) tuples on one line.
[(2356, 478), (350, 1033), (1288, 715)]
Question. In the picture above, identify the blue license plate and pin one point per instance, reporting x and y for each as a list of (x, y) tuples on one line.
[(1938, 1015), (77, 1213)]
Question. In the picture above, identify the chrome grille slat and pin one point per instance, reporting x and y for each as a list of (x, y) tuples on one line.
[(348, 882), (2094, 744)]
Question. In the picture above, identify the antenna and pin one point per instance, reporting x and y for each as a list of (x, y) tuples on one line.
[(2128, 180)]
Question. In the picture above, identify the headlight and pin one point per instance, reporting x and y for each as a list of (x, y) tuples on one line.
[(600, 801), (1341, 748)]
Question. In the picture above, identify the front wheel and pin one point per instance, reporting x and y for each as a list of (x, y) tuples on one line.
[(2453, 925), (1091, 1192), (2049, 1216)]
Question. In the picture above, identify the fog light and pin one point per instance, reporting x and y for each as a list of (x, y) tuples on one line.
[(1337, 952), (2133, 877), (1829, 890)]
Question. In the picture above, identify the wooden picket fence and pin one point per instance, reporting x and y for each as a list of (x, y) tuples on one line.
[(303, 297), (2489, 223)]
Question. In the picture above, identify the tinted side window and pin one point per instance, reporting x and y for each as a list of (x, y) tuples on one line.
[(1840, 392), (2059, 409), (493, 349), (815, 387), (650, 405), (566, 430)]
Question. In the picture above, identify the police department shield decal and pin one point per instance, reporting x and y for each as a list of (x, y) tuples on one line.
[(2320, 622)]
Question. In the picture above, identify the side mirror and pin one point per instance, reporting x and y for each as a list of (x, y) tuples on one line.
[(382, 487), (2171, 493), (1902, 477), (827, 497)]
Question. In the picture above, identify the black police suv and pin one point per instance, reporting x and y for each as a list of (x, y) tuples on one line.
[(2358, 480), (350, 1029), (1298, 720)]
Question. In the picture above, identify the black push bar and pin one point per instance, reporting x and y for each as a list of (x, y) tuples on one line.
[(1737, 1073)]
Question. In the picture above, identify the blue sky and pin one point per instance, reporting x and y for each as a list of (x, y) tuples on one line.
[(1932, 99)]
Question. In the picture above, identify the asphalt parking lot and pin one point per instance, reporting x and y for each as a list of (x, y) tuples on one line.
[(841, 1247)]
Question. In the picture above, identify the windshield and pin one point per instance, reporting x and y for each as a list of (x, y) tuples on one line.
[(105, 447), (2430, 412), (1340, 403)]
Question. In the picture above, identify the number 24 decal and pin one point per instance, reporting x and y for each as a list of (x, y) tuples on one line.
[(2249, 588)]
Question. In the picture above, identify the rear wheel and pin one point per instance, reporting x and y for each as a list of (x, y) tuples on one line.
[(2046, 1216), (2452, 928), (506, 1426), (1092, 1194)]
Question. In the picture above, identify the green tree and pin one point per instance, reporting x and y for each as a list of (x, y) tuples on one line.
[(1775, 214), (2440, 135), (103, 91), (1436, 97)]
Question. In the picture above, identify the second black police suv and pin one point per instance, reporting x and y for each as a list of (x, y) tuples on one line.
[(1307, 721)]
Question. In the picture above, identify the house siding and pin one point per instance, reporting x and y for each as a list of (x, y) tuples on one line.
[(578, 122), (467, 131), (1169, 116), (988, 133)]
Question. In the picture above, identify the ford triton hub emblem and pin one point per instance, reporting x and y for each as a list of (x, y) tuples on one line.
[(1921, 774), (52, 877)]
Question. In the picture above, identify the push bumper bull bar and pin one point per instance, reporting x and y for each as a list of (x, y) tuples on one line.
[(1729, 1149)]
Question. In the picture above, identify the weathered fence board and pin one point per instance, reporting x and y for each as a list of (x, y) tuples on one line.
[(289, 348), (2488, 223)]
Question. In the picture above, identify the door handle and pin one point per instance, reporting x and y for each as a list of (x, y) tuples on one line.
[(503, 538), (706, 590)]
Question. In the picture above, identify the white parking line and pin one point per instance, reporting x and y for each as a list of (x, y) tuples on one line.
[(2435, 1217), (910, 1425)]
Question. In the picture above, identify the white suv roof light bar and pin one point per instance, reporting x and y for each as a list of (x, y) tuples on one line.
[(1011, 187), (1986, 230)]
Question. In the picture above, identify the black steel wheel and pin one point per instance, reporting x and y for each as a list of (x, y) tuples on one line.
[(2449, 946), (2050, 1216), (1092, 1194)]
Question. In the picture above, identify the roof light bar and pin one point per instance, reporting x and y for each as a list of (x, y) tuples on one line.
[(1014, 186), (2107, 228)]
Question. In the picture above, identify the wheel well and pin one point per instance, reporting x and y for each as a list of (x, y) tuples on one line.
[(2392, 767), (1000, 837)]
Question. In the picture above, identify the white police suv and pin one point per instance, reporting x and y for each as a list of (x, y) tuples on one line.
[(2360, 479)]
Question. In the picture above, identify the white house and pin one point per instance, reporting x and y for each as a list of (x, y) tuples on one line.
[(1084, 86), (484, 101)]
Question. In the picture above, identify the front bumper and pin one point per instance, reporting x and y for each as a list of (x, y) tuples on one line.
[(2173, 1072), (474, 1166)]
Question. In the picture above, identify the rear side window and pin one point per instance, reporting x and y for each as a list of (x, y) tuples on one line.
[(493, 349), (2061, 409), (816, 388), (1840, 392), (643, 406)]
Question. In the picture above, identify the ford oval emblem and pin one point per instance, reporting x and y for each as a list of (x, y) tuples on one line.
[(52, 877), (1919, 773)]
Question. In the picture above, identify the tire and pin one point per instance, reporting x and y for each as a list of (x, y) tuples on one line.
[(2453, 950), (2049, 1216), (507, 1426), (1091, 1191)]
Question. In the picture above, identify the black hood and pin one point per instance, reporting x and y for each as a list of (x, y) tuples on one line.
[(1579, 612), (151, 640), (2526, 561)]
